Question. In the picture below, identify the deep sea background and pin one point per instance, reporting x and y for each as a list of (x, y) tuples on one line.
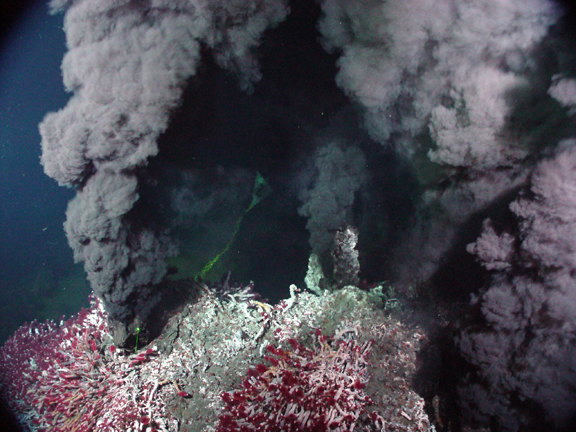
[(37, 276)]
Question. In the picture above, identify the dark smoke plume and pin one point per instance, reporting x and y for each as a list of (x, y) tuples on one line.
[(127, 65)]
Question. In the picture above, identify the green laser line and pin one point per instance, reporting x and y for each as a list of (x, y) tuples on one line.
[(137, 333), (260, 191)]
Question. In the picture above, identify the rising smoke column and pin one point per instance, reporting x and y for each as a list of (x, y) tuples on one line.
[(442, 66), (127, 65), (434, 80), (470, 92), (328, 196), (527, 346)]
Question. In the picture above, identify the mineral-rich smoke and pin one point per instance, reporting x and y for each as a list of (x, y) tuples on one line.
[(328, 199), (434, 80), (474, 94), (437, 65), (127, 64), (527, 345)]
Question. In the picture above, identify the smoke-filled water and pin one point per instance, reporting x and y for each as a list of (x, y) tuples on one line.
[(215, 139)]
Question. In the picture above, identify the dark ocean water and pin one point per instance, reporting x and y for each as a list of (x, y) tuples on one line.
[(36, 267)]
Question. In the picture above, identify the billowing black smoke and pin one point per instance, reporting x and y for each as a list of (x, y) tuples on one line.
[(127, 65), (527, 344), (475, 94)]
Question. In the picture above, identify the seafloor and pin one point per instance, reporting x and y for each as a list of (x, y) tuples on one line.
[(225, 361)]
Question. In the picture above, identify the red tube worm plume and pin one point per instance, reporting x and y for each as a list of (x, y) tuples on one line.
[(301, 390), (60, 378)]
